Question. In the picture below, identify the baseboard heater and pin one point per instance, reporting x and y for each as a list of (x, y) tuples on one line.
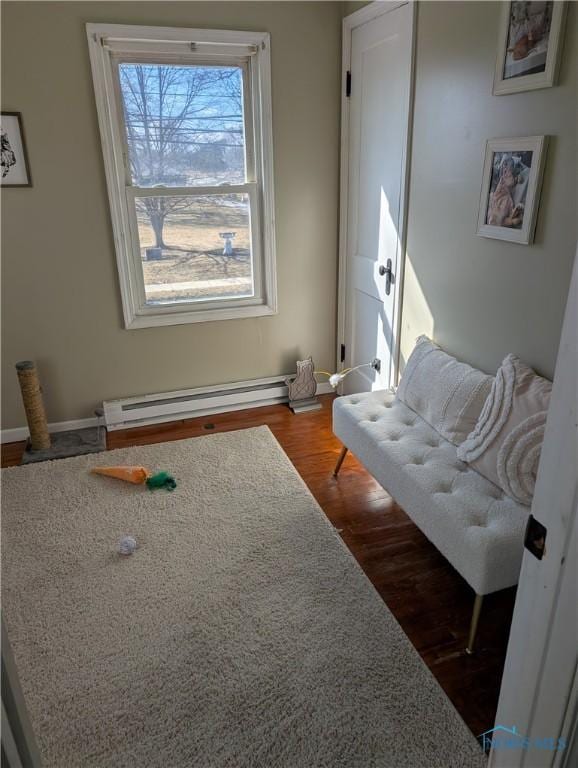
[(202, 401)]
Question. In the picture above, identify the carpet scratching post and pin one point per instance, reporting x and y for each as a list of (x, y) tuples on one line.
[(33, 405), (42, 446)]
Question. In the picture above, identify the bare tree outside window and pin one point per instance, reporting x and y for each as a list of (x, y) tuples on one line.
[(185, 129)]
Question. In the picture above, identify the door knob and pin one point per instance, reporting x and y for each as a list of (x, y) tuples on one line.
[(388, 275)]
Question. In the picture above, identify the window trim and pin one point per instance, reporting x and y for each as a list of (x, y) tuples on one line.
[(103, 39)]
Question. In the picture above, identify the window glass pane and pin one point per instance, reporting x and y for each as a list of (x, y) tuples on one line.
[(184, 124), (195, 248)]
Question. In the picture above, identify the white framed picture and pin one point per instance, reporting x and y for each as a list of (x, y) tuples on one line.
[(529, 46), (14, 160), (511, 180)]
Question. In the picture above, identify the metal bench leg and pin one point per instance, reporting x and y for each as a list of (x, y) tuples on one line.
[(474, 624), (342, 455)]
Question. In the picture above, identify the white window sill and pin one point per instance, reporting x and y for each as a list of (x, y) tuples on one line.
[(198, 316)]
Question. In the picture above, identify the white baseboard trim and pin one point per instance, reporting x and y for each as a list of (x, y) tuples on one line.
[(21, 433)]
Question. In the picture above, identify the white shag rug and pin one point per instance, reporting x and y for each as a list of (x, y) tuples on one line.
[(241, 633)]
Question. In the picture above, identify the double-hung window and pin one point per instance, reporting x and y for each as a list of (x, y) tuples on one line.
[(185, 121)]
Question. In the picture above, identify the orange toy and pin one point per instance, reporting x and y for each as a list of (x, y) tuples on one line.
[(138, 476)]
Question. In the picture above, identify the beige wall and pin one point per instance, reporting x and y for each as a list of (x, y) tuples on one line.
[(484, 298), (350, 6), (61, 303)]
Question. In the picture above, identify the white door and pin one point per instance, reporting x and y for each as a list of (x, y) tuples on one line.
[(376, 153), (539, 694)]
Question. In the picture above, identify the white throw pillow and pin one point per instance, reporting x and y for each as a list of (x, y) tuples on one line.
[(506, 443), (449, 395)]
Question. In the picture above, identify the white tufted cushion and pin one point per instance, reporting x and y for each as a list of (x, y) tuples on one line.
[(470, 520)]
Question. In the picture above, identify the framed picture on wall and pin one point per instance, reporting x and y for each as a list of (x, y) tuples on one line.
[(14, 160), (511, 181), (529, 46)]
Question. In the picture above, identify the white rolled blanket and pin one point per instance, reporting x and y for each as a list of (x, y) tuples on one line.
[(506, 442)]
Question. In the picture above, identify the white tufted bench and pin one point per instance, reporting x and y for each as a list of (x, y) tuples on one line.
[(472, 522)]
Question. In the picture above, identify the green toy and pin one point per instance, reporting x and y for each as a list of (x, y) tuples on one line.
[(161, 480)]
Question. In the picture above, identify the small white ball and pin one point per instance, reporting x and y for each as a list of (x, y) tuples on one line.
[(127, 545)]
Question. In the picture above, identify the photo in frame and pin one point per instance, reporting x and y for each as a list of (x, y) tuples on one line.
[(529, 46), (15, 171), (511, 181)]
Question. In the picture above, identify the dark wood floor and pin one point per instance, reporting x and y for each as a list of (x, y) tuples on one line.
[(429, 599)]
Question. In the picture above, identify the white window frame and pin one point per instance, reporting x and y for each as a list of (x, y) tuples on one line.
[(251, 50)]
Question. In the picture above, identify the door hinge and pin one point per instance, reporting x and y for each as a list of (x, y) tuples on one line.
[(342, 356), (348, 84)]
